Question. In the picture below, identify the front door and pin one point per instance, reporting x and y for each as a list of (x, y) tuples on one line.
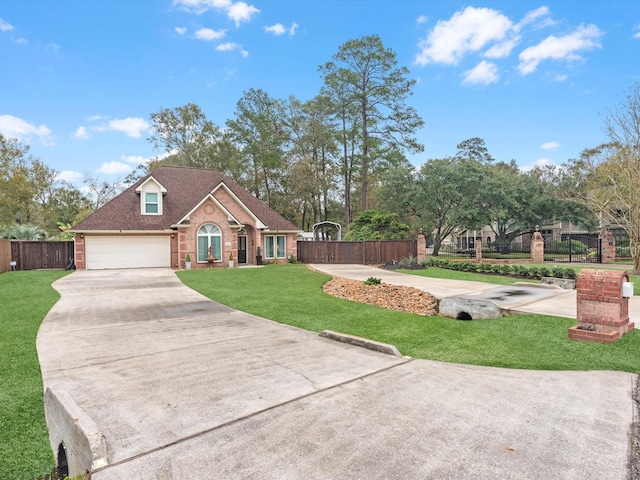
[(242, 249)]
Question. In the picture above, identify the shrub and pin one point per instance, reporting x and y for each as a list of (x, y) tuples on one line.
[(557, 272), (372, 281), (576, 246), (408, 262), (544, 272), (506, 268)]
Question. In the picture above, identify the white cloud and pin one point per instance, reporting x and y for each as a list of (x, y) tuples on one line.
[(230, 46), (95, 118), (637, 34), (550, 145), (560, 48), (502, 49), (180, 30), (131, 126), (241, 12), (468, 30), (24, 131), (422, 19), (21, 41), (208, 34), (114, 168), (533, 15), (237, 11), (134, 159), (561, 77), (484, 73), (69, 176), (5, 26), (278, 29), (541, 162), (81, 132)]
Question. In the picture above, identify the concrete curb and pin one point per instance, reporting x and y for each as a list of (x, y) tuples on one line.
[(362, 342), (85, 447)]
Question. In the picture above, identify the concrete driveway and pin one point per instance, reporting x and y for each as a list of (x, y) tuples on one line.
[(162, 383)]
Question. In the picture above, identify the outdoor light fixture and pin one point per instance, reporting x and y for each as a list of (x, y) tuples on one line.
[(608, 227), (537, 228)]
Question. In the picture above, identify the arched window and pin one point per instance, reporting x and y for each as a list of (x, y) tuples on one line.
[(209, 236)]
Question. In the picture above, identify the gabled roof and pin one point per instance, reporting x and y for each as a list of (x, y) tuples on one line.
[(185, 189)]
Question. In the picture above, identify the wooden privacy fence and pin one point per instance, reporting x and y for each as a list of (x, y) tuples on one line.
[(373, 252), (5, 255), (36, 255)]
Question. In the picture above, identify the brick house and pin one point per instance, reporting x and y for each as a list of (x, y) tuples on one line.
[(178, 211)]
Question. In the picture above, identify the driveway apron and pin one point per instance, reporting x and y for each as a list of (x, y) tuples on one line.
[(182, 387)]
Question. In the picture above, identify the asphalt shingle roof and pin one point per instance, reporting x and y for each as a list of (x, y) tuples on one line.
[(186, 187)]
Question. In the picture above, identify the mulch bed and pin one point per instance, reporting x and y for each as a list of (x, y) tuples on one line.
[(393, 297)]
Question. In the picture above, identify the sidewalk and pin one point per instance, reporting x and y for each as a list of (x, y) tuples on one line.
[(547, 301)]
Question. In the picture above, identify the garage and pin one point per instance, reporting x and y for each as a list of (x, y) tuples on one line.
[(127, 252)]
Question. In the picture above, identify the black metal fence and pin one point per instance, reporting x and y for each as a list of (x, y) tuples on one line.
[(517, 249), (574, 247)]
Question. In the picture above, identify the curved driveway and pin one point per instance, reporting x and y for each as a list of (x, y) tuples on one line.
[(182, 387)]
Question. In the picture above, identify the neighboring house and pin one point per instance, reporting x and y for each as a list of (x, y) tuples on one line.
[(175, 211)]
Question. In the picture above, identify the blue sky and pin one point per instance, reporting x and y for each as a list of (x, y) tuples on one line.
[(79, 79)]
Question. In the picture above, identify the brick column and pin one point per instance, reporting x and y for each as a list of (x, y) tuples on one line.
[(422, 248), (602, 311), (478, 251), (537, 248), (608, 244), (80, 251)]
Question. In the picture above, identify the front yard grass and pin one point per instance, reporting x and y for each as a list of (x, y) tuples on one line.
[(26, 297), (292, 294)]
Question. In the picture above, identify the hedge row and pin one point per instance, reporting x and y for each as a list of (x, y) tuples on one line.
[(524, 271)]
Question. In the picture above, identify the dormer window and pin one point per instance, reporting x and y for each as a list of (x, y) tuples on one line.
[(151, 196), (150, 203)]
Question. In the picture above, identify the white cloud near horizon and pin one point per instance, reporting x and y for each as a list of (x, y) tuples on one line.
[(24, 131), (69, 176), (131, 126), (541, 162), (550, 145), (114, 168), (565, 48), (484, 73), (208, 34)]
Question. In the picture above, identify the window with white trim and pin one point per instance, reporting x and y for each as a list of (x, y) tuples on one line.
[(275, 246), (209, 235), (151, 203)]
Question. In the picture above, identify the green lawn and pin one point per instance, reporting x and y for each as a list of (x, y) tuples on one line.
[(292, 294), (26, 297)]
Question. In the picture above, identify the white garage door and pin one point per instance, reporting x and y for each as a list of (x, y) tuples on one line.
[(127, 252)]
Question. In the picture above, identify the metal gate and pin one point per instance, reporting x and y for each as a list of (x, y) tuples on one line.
[(574, 248)]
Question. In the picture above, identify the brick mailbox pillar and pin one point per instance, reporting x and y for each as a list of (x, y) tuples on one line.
[(603, 311)]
